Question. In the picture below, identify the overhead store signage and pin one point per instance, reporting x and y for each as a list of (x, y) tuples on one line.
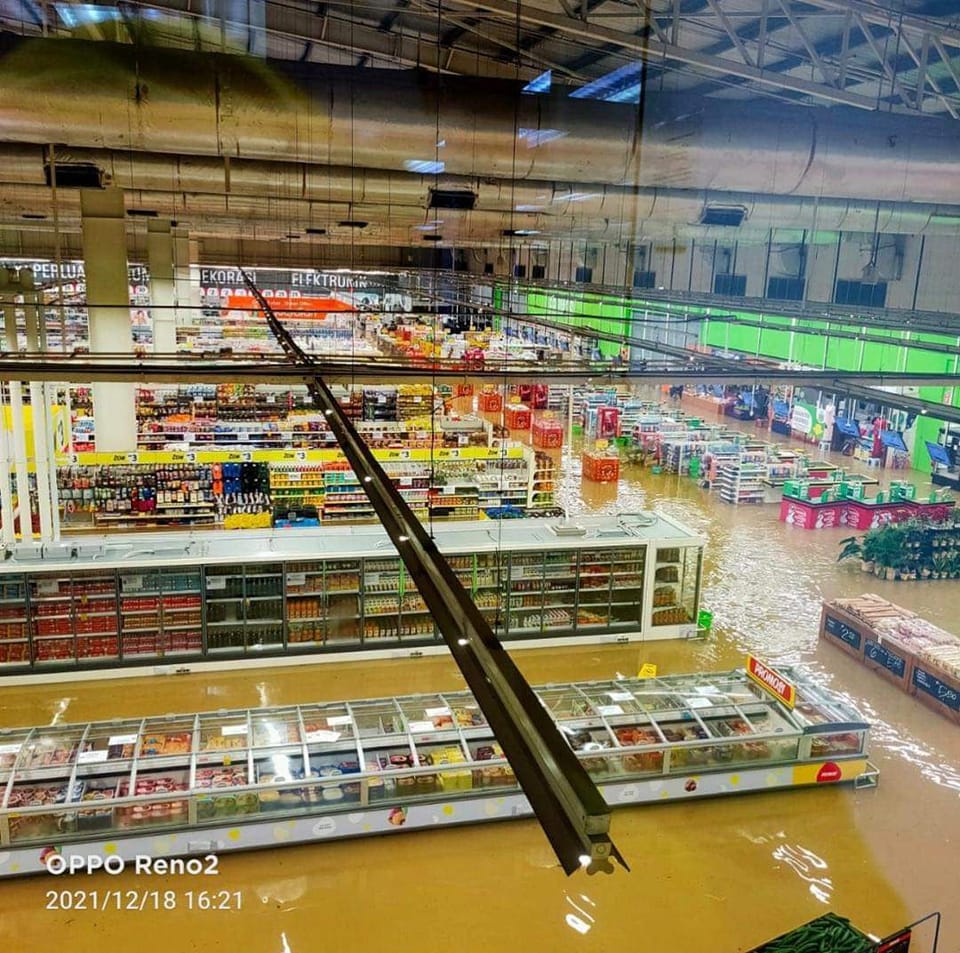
[(305, 279), (771, 681), (46, 272)]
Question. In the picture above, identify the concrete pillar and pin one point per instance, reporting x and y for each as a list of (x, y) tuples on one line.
[(18, 443), (187, 291), (162, 288), (43, 472), (105, 263)]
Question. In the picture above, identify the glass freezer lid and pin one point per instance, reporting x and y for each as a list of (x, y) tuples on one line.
[(11, 743), (50, 748), (226, 731), (167, 737), (114, 742), (275, 728)]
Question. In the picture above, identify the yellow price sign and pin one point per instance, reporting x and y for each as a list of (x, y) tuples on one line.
[(647, 670)]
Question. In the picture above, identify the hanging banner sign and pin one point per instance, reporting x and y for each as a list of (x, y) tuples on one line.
[(771, 681)]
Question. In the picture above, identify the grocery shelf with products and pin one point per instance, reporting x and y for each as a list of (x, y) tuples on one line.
[(206, 597), (240, 489), (342, 769)]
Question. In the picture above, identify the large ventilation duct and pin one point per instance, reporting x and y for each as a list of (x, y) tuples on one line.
[(280, 198), (121, 97)]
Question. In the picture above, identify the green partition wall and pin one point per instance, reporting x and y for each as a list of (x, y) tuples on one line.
[(801, 340)]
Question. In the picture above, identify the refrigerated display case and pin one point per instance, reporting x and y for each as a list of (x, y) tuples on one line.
[(225, 780), (334, 590)]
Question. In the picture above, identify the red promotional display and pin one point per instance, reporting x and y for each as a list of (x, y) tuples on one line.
[(517, 417), (811, 514), (770, 680), (608, 422), (490, 401), (600, 467), (547, 434)]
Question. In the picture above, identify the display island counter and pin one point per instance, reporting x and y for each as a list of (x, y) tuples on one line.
[(168, 602), (219, 781)]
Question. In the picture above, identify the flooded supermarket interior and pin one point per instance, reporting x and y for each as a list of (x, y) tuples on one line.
[(478, 474)]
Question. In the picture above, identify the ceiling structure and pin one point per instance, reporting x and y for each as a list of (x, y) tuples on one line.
[(334, 125)]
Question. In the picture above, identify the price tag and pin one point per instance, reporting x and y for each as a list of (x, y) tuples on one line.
[(707, 690), (450, 490), (406, 481), (698, 702), (436, 712), (122, 740), (11, 748), (48, 587), (216, 582), (322, 735), (296, 578), (609, 710), (620, 696), (416, 726), (377, 435), (132, 583), (233, 730), (418, 400), (295, 476), (92, 757), (339, 720), (647, 670)]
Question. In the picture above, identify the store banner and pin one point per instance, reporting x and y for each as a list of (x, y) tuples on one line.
[(801, 420), (771, 681), (304, 308)]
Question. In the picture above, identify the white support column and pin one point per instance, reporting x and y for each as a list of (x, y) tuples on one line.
[(46, 492), (18, 428), (163, 295), (7, 532), (105, 262)]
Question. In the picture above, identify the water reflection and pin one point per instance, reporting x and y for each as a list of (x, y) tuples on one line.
[(582, 920), (805, 863)]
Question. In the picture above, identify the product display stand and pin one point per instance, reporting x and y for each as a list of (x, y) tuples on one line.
[(212, 782), (542, 582)]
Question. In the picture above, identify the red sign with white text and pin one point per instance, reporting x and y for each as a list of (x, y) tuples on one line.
[(771, 681)]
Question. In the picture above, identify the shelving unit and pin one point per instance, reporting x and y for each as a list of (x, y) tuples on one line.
[(742, 481), (211, 597), (346, 768)]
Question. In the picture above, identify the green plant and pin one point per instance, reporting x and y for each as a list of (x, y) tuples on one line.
[(888, 542), (852, 546), (941, 564), (869, 548)]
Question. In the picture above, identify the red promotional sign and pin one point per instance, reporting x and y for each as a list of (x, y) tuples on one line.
[(770, 680), (306, 307), (829, 773)]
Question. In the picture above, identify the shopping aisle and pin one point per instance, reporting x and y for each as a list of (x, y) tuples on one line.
[(710, 875)]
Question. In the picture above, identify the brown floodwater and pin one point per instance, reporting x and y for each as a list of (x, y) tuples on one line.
[(715, 875)]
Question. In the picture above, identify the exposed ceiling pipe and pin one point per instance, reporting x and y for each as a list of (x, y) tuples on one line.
[(101, 95), (281, 198)]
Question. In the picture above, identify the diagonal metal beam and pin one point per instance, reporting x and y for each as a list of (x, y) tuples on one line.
[(924, 79), (731, 32), (825, 71), (884, 65), (653, 48), (571, 811), (947, 62)]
